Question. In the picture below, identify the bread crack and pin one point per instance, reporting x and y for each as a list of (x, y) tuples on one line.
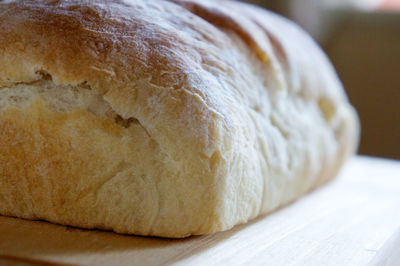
[(61, 98), (126, 123), (44, 75)]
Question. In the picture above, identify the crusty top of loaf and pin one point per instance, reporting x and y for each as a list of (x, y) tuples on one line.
[(220, 84), (180, 52)]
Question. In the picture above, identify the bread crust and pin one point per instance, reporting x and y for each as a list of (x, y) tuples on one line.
[(184, 117)]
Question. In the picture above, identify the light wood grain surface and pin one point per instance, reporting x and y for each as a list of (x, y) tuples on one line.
[(354, 220)]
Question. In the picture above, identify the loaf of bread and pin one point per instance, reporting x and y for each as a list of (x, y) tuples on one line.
[(164, 118)]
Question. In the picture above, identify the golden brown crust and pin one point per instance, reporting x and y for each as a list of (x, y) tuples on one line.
[(231, 119)]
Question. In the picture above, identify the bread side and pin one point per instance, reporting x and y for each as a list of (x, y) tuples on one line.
[(303, 125), (162, 118)]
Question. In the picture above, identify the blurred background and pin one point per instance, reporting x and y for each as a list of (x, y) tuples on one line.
[(362, 39)]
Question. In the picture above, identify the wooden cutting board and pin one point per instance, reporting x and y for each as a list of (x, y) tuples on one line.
[(354, 220)]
